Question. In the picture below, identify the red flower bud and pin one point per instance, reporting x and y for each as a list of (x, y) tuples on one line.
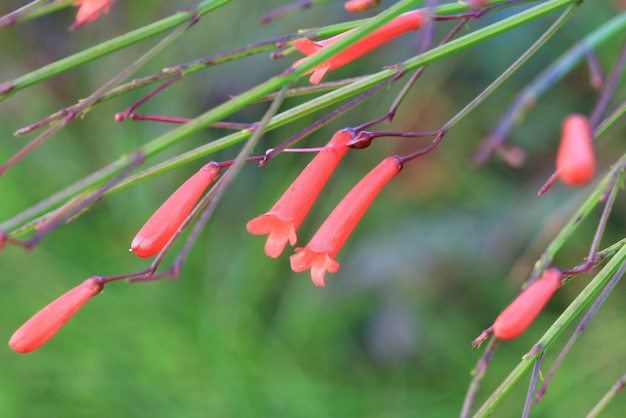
[(318, 254), (575, 162), (162, 225), (45, 323), (526, 306), (90, 9)]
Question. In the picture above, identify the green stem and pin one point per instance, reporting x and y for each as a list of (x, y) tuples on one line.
[(31, 11), (220, 112), (10, 87)]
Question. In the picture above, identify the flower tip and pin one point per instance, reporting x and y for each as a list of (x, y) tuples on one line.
[(319, 73), (142, 247), (19, 344), (575, 162)]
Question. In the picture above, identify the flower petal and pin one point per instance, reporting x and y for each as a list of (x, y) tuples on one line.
[(279, 232), (319, 263)]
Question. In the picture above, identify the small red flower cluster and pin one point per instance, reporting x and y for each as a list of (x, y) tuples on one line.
[(282, 221)]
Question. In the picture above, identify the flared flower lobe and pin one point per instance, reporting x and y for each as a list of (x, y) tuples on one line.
[(516, 317), (45, 323), (164, 223), (575, 161), (318, 255), (405, 22), (284, 218), (90, 9)]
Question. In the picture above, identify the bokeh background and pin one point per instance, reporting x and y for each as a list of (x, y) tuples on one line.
[(441, 251)]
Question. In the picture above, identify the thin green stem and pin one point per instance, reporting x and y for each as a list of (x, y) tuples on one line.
[(578, 304), (514, 67), (10, 87), (86, 103)]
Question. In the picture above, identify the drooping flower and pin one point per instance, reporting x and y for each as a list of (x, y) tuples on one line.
[(164, 223), (318, 255), (45, 323), (575, 161), (516, 317), (90, 9), (355, 6), (405, 22), (282, 221)]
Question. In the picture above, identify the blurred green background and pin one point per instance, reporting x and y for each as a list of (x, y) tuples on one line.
[(441, 251)]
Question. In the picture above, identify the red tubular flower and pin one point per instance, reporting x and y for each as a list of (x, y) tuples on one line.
[(90, 10), (162, 225), (282, 221), (355, 6), (575, 162), (45, 323), (405, 22), (522, 311), (319, 252)]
